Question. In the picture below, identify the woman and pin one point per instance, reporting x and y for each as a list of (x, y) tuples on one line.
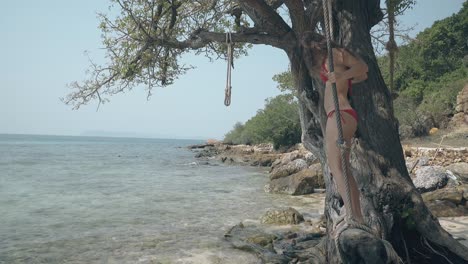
[(348, 69)]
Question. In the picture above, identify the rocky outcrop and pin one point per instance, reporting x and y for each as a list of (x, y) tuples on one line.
[(459, 170), (277, 246), (448, 202), (460, 118), (295, 172), (289, 216), (287, 169), (430, 178), (299, 183), (435, 156), (439, 179)]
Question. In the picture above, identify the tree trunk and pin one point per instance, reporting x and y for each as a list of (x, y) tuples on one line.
[(391, 205)]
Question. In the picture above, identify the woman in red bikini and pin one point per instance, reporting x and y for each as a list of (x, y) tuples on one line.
[(348, 69)]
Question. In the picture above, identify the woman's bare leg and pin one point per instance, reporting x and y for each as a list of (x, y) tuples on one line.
[(334, 161)]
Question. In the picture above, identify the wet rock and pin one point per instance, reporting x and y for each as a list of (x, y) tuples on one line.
[(429, 178), (289, 216), (254, 239), (277, 247), (262, 239)]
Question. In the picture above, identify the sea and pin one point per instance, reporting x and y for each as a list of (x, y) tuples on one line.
[(68, 199)]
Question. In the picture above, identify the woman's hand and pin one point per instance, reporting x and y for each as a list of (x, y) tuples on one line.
[(334, 77)]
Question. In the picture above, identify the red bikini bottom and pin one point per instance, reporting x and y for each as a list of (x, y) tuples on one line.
[(350, 111)]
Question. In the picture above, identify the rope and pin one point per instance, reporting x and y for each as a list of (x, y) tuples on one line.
[(230, 63)]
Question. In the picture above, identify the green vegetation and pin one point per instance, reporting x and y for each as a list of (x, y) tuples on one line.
[(429, 73), (278, 123)]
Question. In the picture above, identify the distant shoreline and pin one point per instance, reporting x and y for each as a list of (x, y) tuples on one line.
[(99, 136)]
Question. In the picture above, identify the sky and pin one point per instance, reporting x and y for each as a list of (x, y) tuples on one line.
[(42, 49)]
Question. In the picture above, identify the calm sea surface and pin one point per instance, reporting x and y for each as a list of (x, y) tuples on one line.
[(122, 200)]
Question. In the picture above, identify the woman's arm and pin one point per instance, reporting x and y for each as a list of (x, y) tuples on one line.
[(356, 68)]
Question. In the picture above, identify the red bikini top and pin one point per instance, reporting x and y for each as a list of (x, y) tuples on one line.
[(324, 77)]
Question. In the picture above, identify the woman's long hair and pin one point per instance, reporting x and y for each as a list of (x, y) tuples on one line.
[(315, 51)]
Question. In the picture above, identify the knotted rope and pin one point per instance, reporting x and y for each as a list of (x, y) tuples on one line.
[(230, 64)]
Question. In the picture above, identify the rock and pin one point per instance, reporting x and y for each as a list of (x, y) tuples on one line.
[(460, 118), (464, 189), (262, 239), (460, 170), (289, 216), (263, 148), (287, 158), (423, 161), (446, 209), (207, 152), (303, 182), (280, 247), (317, 172), (263, 160), (429, 178), (433, 131), (288, 169), (453, 195), (310, 158)]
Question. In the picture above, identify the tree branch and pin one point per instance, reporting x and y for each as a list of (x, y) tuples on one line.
[(200, 38), (297, 14), (265, 17)]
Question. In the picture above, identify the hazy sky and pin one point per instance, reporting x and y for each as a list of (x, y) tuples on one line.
[(42, 49)]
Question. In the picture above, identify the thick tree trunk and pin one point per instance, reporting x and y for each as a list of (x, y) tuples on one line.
[(391, 205)]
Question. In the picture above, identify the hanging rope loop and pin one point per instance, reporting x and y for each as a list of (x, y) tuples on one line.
[(230, 65)]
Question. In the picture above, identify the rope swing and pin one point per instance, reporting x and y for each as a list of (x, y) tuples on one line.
[(230, 65), (340, 142), (349, 217)]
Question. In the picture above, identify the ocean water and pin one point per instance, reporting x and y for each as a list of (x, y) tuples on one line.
[(122, 200)]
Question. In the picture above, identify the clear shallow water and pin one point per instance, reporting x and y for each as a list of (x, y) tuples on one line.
[(118, 200)]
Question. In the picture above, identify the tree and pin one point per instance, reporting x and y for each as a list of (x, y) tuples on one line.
[(146, 40)]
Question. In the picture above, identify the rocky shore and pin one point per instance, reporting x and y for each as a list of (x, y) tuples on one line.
[(440, 174)]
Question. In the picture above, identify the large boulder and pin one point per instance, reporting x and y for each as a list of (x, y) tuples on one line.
[(446, 209), (454, 195), (302, 182), (429, 178), (460, 170), (288, 169), (297, 184), (289, 216)]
